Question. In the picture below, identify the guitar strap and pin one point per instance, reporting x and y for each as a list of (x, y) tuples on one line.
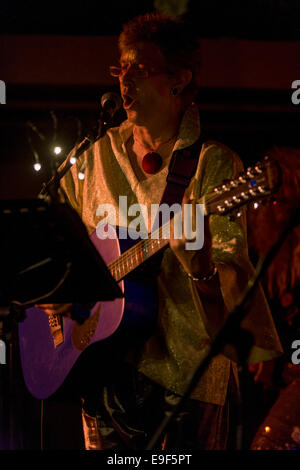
[(182, 167)]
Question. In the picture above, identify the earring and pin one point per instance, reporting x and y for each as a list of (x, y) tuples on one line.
[(174, 91)]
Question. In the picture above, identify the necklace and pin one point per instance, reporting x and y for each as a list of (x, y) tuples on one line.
[(152, 160)]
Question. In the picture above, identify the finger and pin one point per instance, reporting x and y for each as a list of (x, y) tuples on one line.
[(48, 312), (53, 306), (54, 312), (258, 372), (191, 218), (44, 306), (194, 216), (176, 230), (53, 309), (188, 193)]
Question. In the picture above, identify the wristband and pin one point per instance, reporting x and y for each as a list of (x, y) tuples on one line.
[(208, 276)]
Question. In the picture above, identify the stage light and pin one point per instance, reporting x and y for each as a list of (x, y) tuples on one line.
[(81, 175), (73, 160), (267, 429), (255, 205), (57, 150), (37, 166)]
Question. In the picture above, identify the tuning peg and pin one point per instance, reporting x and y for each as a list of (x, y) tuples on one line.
[(221, 209), (218, 189), (237, 199), (245, 196), (226, 186), (262, 189), (258, 168), (228, 203), (254, 191), (234, 183), (242, 178), (250, 172)]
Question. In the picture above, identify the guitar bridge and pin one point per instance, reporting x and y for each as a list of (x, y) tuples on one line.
[(55, 325)]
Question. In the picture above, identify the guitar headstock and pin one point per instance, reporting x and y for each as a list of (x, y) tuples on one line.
[(255, 184)]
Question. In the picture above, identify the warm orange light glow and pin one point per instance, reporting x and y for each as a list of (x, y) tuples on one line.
[(267, 429)]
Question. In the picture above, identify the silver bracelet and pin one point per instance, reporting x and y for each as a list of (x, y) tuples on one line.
[(208, 276)]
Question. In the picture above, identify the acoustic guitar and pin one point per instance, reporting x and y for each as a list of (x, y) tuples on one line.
[(51, 345)]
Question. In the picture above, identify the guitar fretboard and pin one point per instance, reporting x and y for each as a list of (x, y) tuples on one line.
[(136, 255), (144, 249)]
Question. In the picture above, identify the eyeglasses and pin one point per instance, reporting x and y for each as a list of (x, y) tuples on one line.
[(138, 70)]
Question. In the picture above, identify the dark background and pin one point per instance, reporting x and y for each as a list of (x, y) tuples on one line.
[(54, 59)]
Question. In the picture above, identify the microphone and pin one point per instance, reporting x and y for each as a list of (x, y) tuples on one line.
[(111, 103)]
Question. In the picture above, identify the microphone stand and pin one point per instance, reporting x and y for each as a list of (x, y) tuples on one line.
[(51, 187), (230, 332)]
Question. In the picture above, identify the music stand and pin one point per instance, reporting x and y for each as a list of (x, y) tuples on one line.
[(46, 254), (46, 257)]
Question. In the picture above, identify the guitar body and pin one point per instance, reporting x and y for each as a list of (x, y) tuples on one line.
[(45, 367)]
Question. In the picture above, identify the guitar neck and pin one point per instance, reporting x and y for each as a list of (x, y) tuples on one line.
[(256, 183), (143, 250), (137, 255)]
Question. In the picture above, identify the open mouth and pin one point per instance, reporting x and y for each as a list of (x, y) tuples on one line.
[(128, 101)]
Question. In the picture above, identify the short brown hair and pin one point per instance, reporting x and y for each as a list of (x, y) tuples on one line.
[(176, 39)]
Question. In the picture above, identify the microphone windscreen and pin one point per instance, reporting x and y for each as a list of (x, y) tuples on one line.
[(111, 102)]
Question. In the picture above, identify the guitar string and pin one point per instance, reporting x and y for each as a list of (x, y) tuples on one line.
[(135, 253), (138, 249), (121, 263)]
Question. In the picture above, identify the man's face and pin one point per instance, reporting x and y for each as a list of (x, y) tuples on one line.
[(145, 86)]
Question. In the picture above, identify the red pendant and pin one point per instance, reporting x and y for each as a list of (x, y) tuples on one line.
[(151, 163)]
